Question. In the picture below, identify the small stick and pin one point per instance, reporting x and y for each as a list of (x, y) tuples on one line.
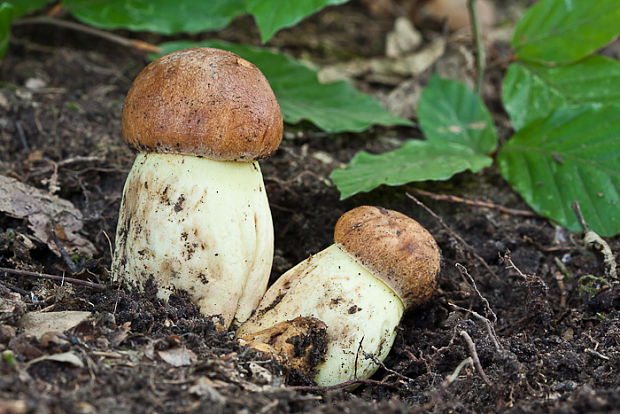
[(487, 323), (480, 53), (22, 136), (457, 371), (382, 365), (577, 210), (474, 203), (596, 354), (54, 277), (595, 242), (474, 356), (137, 44), (454, 234), (464, 271), (63, 253)]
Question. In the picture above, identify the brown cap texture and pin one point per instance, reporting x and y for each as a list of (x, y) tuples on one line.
[(204, 102), (393, 247)]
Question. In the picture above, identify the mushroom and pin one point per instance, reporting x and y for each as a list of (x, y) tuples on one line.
[(194, 214), (382, 262)]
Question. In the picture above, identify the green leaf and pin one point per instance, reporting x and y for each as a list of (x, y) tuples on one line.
[(574, 154), (273, 15), (563, 31), (333, 107), (531, 91), (22, 7), (414, 161), (450, 112), (161, 16), (6, 17), (459, 131)]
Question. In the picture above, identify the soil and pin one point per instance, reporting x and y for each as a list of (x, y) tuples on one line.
[(509, 287)]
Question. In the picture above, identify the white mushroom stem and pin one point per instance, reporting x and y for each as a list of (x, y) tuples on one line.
[(361, 312), (198, 225)]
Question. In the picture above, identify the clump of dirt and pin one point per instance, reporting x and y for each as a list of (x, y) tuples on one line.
[(513, 324)]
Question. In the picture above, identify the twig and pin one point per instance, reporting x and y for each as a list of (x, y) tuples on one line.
[(457, 371), (63, 253), (474, 203), (134, 43), (382, 365), (13, 288), (596, 354), (22, 136), (486, 321), (480, 53), (454, 234), (596, 243), (73, 160), (577, 210), (341, 385), (474, 356), (54, 277), (484, 300), (560, 279)]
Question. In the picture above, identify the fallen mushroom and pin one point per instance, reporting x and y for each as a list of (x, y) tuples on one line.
[(194, 214), (382, 262)]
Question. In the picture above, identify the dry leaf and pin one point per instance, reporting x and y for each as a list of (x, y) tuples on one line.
[(391, 70), (412, 64), (403, 39), (260, 375), (403, 100), (39, 323), (178, 357), (12, 308), (42, 210), (205, 387), (66, 357)]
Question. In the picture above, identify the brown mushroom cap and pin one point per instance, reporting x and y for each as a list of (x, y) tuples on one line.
[(393, 247), (204, 102)]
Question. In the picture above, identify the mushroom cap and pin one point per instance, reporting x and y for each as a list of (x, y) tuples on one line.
[(393, 247), (204, 102)]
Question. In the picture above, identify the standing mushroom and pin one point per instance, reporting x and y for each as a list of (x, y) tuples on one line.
[(194, 214), (382, 262)]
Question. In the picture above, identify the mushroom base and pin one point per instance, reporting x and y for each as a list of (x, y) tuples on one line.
[(197, 225), (360, 311)]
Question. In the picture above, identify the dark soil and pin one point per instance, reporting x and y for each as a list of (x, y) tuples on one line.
[(557, 349)]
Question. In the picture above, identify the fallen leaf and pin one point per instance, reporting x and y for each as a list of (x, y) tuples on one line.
[(407, 65), (403, 100), (205, 387), (260, 375), (404, 38), (65, 357), (39, 323), (42, 210), (178, 357), (12, 308)]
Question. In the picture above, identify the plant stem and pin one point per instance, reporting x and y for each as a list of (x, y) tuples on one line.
[(473, 203), (137, 44), (480, 53)]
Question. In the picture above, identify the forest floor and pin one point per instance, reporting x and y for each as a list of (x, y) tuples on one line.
[(511, 283)]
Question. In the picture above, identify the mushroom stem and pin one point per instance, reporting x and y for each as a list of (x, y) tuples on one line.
[(197, 225), (361, 312)]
